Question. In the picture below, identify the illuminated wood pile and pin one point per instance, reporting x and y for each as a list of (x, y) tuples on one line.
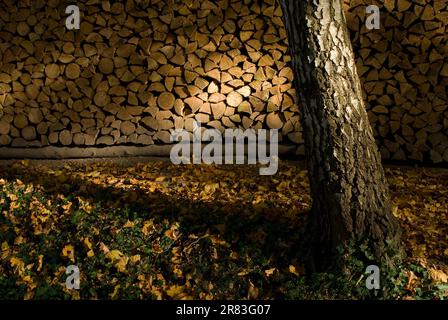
[(138, 69), (404, 68), (135, 71)]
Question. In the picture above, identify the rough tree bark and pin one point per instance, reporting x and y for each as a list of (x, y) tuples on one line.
[(349, 189)]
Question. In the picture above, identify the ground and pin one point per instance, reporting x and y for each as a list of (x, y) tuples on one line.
[(152, 230)]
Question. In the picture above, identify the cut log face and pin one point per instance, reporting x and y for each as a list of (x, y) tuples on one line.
[(106, 66), (52, 71), (20, 121), (72, 71), (225, 60), (29, 133), (273, 121), (127, 128), (35, 116), (65, 138), (166, 100), (4, 128), (234, 99), (101, 99)]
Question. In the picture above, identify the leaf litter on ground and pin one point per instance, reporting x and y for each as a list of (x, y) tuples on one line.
[(157, 230)]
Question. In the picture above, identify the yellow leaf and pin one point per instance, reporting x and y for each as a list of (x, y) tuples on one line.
[(25, 163), (411, 280), (121, 265), (177, 271), (234, 255), (283, 185), (96, 231), (118, 259), (211, 188), (104, 248), (148, 227), (67, 207), (135, 259), (253, 292), (18, 265), (177, 292), (293, 270), (40, 262), (128, 224), (5, 246), (88, 245), (174, 291), (438, 275), (270, 272), (69, 252), (115, 293), (171, 234), (114, 255)]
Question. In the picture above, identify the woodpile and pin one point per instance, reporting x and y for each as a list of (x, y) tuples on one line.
[(138, 69), (404, 69)]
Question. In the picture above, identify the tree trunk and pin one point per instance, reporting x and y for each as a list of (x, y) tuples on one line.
[(349, 189)]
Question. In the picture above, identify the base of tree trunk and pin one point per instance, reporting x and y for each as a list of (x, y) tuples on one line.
[(324, 254)]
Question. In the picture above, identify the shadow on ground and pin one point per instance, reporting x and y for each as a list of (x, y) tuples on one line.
[(231, 228)]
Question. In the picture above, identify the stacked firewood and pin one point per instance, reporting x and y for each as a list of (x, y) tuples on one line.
[(404, 69), (137, 69)]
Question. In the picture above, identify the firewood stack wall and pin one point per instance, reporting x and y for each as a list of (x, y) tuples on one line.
[(135, 70)]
